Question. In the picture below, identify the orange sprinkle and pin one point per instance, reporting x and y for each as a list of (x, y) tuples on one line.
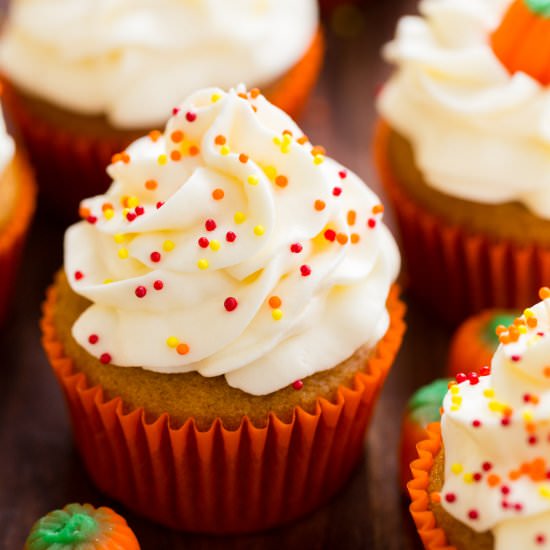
[(124, 200), (493, 480), (254, 93), (85, 212), (116, 157), (243, 158), (254, 108), (151, 185), (355, 238), (504, 339), (546, 372), (525, 468), (318, 150), (500, 329), (342, 238), (518, 321), (287, 133), (507, 411), (218, 194), (530, 428), (281, 181), (435, 497), (319, 205), (175, 156), (532, 322), (154, 135), (193, 150), (302, 140), (275, 302), (544, 293), (182, 349), (352, 216), (125, 157), (107, 206), (176, 136), (378, 209), (514, 475), (220, 140), (242, 96)]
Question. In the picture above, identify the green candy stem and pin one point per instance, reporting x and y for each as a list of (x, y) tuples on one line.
[(78, 528), (489, 334), (540, 7), (425, 403)]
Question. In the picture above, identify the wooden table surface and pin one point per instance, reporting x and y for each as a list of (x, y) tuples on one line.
[(39, 468)]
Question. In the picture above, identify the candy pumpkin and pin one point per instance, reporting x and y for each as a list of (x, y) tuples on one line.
[(81, 527), (475, 341), (423, 408), (522, 41)]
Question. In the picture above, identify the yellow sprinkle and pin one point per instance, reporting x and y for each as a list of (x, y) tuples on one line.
[(172, 342), (162, 160), (259, 230), (456, 399), (277, 314), (202, 264), (527, 416), (456, 468), (544, 491), (215, 245), (107, 281), (215, 97), (496, 406), (239, 217), (455, 408), (253, 180), (528, 313), (122, 253), (468, 478), (270, 172), (225, 150), (125, 211), (318, 159), (168, 245), (287, 139), (522, 329), (454, 389), (109, 213), (133, 201), (119, 238), (276, 141), (285, 149), (489, 392)]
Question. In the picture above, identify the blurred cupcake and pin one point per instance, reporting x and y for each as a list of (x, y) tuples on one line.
[(463, 150), (17, 202), (81, 527), (111, 73), (483, 482), (225, 320)]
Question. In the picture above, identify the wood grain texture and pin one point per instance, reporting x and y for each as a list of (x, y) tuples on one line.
[(39, 468)]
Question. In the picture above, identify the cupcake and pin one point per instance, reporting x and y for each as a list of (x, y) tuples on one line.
[(81, 527), (482, 480), (475, 341), (17, 202), (462, 148), (225, 320), (112, 73)]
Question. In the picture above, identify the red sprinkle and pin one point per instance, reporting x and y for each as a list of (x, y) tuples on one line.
[(230, 237), (93, 339), (305, 270), (158, 285), (515, 358), (505, 421), (343, 174), (450, 497), (105, 358), (461, 377), (476, 423), (486, 466), (159, 204), (175, 111), (141, 291), (78, 275), (298, 385), (140, 210), (371, 223), (130, 216), (337, 191), (532, 440), (296, 248), (505, 490), (191, 117), (203, 242), (485, 371), (230, 304), (477, 476), (473, 378), (473, 514), (330, 235), (155, 257), (210, 225), (91, 219), (518, 507), (540, 539)]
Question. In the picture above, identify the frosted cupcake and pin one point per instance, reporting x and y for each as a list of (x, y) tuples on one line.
[(483, 482), (111, 73), (463, 151), (226, 310), (17, 202)]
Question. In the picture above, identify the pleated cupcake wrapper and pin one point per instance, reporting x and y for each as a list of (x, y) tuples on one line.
[(455, 272), (432, 536), (71, 165), (12, 235), (219, 480)]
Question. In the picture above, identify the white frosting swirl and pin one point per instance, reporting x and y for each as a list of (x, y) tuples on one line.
[(135, 60), (277, 204), (496, 435), (477, 132)]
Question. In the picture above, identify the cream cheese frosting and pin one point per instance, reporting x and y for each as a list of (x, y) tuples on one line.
[(478, 133), (134, 61), (496, 435), (229, 245)]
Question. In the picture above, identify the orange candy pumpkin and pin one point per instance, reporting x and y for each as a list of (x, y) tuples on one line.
[(522, 41)]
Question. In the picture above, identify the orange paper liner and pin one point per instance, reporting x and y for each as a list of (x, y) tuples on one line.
[(13, 233), (455, 272), (218, 480), (71, 166), (432, 536)]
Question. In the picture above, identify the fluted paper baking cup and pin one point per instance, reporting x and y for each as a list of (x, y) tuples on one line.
[(455, 272), (220, 480)]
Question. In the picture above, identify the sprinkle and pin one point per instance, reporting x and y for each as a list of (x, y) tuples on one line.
[(176, 136), (131, 216), (342, 238), (270, 172), (239, 217), (182, 349), (91, 219), (172, 342), (158, 285), (140, 291), (302, 140), (154, 135), (168, 245), (140, 210), (159, 204), (544, 491), (243, 158), (230, 237), (493, 480), (93, 339), (476, 423), (485, 371), (305, 270), (108, 213), (461, 377), (277, 314), (194, 150), (330, 235), (175, 111), (202, 264), (215, 98), (298, 385), (473, 514), (318, 159), (468, 478), (275, 302), (122, 253), (78, 275), (371, 222), (319, 205), (259, 230), (544, 293), (351, 217), (253, 180), (155, 257), (175, 156), (215, 245), (220, 140), (473, 378), (210, 225), (105, 358), (190, 116), (456, 468), (281, 181), (337, 191), (450, 498), (489, 393), (296, 248), (225, 150), (162, 160), (378, 209), (230, 303), (540, 538), (203, 242)]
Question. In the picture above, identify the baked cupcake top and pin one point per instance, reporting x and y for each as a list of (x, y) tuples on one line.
[(230, 245), (496, 435), (479, 130), (7, 152), (133, 61)]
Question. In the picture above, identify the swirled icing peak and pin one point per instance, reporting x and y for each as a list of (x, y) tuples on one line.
[(496, 433), (133, 61), (230, 245)]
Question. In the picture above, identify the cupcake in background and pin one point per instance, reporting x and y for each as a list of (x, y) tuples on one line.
[(463, 150), (225, 320), (17, 203), (482, 479), (83, 81)]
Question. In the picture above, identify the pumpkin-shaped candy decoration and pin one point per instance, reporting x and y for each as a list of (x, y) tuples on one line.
[(423, 408), (81, 527), (475, 341), (522, 41)]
